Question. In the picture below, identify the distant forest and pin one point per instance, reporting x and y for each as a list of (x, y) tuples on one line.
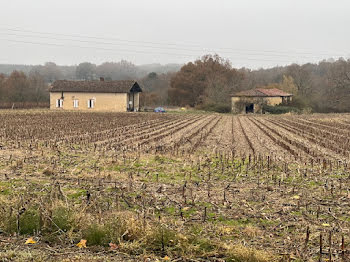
[(205, 83)]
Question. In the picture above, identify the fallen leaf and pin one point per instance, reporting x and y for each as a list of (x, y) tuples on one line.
[(166, 258), (30, 241), (296, 197), (326, 225), (82, 243), (113, 246)]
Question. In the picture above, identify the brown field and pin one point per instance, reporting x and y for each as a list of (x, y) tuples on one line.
[(178, 187)]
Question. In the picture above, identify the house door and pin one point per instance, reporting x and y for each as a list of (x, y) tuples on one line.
[(249, 108)]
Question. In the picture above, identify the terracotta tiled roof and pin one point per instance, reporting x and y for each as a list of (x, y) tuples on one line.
[(121, 86), (273, 92), (251, 92), (262, 92)]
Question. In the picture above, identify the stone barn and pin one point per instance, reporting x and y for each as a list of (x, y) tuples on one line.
[(252, 101), (117, 96)]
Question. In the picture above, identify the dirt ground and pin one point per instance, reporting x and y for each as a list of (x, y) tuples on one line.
[(218, 187)]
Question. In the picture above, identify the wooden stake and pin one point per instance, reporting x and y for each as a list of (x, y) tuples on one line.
[(307, 238), (320, 258), (342, 248), (330, 245)]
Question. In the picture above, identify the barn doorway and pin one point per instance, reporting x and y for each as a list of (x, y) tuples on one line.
[(131, 102), (249, 108)]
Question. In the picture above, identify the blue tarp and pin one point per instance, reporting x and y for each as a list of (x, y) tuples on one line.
[(159, 110)]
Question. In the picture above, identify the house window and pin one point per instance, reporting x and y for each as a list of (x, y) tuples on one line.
[(91, 103), (59, 103), (75, 103)]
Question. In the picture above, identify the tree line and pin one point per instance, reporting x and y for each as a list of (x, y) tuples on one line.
[(206, 83), (321, 87), (209, 81), (20, 90), (89, 71), (26, 85)]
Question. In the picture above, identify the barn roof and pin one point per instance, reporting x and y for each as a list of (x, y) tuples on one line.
[(120, 86), (262, 92)]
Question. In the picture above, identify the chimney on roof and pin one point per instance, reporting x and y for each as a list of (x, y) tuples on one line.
[(102, 79)]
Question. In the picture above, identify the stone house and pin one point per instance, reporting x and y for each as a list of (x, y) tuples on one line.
[(117, 96), (252, 101)]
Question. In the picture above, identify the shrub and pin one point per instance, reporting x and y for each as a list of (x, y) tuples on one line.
[(115, 229), (219, 108), (8, 224), (279, 109), (29, 222), (63, 218), (161, 237), (125, 228), (96, 235)]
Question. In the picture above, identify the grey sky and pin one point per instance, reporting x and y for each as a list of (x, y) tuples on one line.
[(251, 33)]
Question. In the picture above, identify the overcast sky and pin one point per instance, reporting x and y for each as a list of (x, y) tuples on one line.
[(251, 33)]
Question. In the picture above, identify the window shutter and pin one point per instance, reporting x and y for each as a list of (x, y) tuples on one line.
[(92, 103), (77, 101), (57, 102), (88, 103)]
